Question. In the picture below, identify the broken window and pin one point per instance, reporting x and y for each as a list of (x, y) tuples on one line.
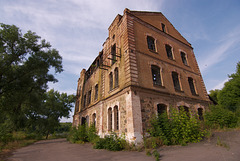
[(176, 82), (169, 51), (94, 119), (161, 108), (200, 114), (84, 101), (83, 121), (89, 97), (185, 109), (151, 43), (110, 119), (96, 91), (163, 27), (191, 85), (116, 77), (156, 75), (184, 58), (116, 118), (113, 53), (110, 81)]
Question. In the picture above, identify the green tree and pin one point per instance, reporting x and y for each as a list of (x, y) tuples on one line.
[(213, 94), (45, 118), (229, 96), (25, 64)]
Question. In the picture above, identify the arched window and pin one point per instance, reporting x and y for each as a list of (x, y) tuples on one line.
[(169, 51), (192, 86), (176, 82), (94, 119), (110, 119), (184, 58), (87, 120), (116, 118), (161, 108), (116, 77), (83, 121), (156, 75), (110, 81), (185, 109), (113, 52), (151, 43), (200, 114)]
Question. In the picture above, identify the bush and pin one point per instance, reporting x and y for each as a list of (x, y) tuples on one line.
[(179, 129), (110, 142), (219, 117)]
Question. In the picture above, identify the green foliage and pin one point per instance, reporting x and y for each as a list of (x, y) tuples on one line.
[(27, 65), (110, 142), (214, 94), (229, 96), (219, 117), (82, 134), (179, 129)]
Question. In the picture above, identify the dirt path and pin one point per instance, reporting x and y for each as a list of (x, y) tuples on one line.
[(61, 150)]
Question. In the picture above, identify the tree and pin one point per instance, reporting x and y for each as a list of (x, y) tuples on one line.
[(53, 107), (213, 94), (229, 96), (25, 65)]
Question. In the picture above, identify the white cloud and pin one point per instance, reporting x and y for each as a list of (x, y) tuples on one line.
[(221, 84)]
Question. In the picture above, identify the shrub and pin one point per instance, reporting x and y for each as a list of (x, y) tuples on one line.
[(110, 142), (219, 117), (179, 129)]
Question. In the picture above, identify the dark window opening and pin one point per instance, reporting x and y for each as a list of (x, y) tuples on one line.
[(200, 114), (191, 85), (176, 82), (151, 43), (110, 119), (116, 118), (84, 101), (163, 27), (96, 91), (83, 121), (169, 51), (116, 77), (185, 109), (184, 58), (94, 119), (111, 81), (161, 108), (113, 53), (156, 75), (89, 97)]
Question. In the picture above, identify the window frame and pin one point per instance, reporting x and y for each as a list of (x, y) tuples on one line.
[(176, 81), (192, 86), (151, 43), (110, 81), (184, 58), (171, 50), (156, 73), (96, 92), (116, 77)]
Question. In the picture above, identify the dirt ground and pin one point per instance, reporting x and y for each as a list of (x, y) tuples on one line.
[(223, 146)]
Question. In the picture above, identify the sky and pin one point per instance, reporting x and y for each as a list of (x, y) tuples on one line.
[(78, 28)]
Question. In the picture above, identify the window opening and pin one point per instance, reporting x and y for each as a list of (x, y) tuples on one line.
[(161, 108), (176, 82), (96, 91), (110, 119), (169, 51), (116, 77), (191, 85), (156, 75), (111, 81), (151, 43), (184, 58), (116, 118)]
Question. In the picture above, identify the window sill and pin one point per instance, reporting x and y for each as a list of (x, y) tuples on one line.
[(180, 91), (153, 51), (158, 86), (113, 89)]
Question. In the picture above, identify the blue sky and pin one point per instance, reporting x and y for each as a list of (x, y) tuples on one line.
[(78, 28)]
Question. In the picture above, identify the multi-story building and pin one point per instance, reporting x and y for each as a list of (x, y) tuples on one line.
[(146, 67)]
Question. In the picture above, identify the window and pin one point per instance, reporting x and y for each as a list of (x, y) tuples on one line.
[(184, 58), (200, 114), (113, 53), (84, 101), (110, 119), (96, 91), (151, 43), (87, 120), (116, 77), (89, 97), (176, 82), (163, 27), (169, 51), (116, 118), (110, 81), (78, 90), (83, 121), (191, 85), (185, 109), (161, 108), (156, 75), (94, 119)]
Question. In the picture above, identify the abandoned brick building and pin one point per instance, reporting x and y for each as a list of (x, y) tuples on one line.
[(146, 67)]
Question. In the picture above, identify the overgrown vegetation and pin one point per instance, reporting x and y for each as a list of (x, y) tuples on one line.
[(178, 129)]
